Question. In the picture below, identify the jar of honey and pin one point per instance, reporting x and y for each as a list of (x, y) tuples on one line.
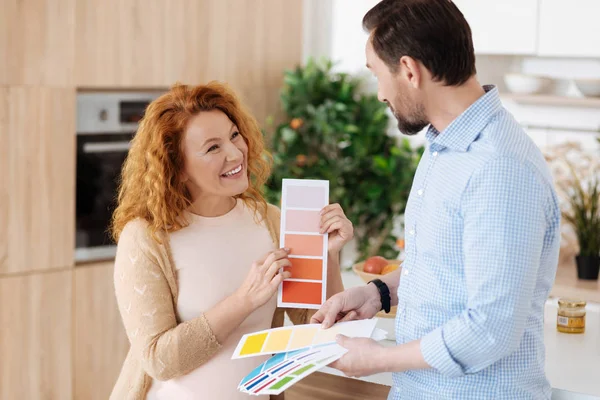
[(571, 316)]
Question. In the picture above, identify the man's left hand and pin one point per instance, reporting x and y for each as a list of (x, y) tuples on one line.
[(364, 357)]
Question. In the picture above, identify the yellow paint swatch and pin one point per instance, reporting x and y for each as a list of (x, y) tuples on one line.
[(278, 340), (327, 335), (253, 344), (302, 338)]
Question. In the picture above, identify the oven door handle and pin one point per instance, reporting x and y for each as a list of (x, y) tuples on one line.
[(108, 147)]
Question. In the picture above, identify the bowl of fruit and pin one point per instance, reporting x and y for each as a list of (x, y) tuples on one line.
[(373, 268)]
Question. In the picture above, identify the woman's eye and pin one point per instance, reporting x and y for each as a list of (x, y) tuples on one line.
[(235, 135), (213, 148)]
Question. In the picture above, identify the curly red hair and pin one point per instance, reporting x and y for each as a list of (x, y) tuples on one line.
[(151, 187)]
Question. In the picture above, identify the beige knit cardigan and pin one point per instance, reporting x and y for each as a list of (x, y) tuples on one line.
[(146, 288)]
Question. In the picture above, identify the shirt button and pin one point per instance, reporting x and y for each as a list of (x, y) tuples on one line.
[(411, 232), (420, 192), (405, 271), (435, 154)]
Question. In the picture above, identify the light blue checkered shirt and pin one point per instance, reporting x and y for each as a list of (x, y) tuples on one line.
[(482, 242)]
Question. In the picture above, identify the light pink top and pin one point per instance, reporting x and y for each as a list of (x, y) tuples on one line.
[(212, 257)]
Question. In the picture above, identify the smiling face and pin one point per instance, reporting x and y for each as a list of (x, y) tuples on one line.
[(216, 157), (398, 91)]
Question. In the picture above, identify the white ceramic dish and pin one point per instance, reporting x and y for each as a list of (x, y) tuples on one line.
[(527, 84)]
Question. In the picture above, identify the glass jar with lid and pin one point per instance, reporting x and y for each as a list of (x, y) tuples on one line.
[(571, 316)]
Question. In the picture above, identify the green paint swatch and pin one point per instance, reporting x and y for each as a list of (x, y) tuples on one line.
[(281, 383), (303, 370)]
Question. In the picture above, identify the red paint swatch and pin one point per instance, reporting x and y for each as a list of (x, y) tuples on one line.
[(302, 292)]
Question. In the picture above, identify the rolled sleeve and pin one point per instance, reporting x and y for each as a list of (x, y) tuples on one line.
[(436, 354)]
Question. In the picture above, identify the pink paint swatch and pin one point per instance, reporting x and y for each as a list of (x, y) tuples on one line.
[(302, 221), (306, 197)]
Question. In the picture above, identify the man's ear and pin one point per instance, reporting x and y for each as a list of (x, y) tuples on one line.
[(410, 69)]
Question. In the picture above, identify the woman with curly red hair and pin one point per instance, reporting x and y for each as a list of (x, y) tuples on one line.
[(198, 263)]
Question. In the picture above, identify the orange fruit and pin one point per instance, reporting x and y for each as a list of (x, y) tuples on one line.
[(389, 268), (296, 123), (301, 160)]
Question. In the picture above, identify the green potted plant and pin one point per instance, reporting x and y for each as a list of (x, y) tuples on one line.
[(333, 131), (583, 214)]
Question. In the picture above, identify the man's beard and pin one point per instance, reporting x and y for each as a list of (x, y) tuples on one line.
[(410, 128), (411, 125)]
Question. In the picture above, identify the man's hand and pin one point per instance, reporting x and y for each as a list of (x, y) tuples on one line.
[(367, 357), (356, 303), (364, 357)]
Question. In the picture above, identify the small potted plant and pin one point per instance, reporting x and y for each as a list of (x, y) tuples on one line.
[(583, 214)]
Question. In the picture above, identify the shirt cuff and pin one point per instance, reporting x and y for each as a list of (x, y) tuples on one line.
[(436, 354)]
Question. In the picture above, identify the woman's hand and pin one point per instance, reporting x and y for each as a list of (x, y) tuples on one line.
[(339, 227), (264, 278)]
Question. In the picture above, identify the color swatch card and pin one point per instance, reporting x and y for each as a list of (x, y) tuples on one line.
[(284, 370), (301, 203), (296, 337)]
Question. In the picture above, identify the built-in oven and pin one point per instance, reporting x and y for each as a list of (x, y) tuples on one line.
[(106, 123)]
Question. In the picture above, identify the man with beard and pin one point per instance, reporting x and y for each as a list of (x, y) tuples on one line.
[(482, 224)]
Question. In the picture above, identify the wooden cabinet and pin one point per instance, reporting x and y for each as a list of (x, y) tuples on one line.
[(136, 43), (323, 386), (569, 29), (502, 27), (100, 342), (35, 336), (37, 42), (37, 198)]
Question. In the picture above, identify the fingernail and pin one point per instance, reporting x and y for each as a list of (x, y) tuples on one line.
[(287, 249)]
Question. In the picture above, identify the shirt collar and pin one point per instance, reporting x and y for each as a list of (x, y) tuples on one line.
[(466, 127)]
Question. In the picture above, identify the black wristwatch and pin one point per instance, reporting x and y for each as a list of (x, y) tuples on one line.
[(384, 292)]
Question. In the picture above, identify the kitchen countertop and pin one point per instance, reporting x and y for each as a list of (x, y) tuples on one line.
[(572, 361)]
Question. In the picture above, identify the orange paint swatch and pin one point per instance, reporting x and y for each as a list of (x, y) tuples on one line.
[(303, 268), (302, 292), (305, 245)]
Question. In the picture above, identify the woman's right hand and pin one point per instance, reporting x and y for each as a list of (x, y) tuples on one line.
[(264, 278)]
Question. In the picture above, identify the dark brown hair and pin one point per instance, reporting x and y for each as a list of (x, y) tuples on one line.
[(433, 32)]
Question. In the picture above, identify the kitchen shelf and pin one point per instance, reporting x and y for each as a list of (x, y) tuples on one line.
[(553, 100)]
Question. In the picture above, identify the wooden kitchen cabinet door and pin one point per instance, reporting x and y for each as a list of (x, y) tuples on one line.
[(141, 44), (37, 40), (101, 344), (37, 192), (35, 336), (119, 43)]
